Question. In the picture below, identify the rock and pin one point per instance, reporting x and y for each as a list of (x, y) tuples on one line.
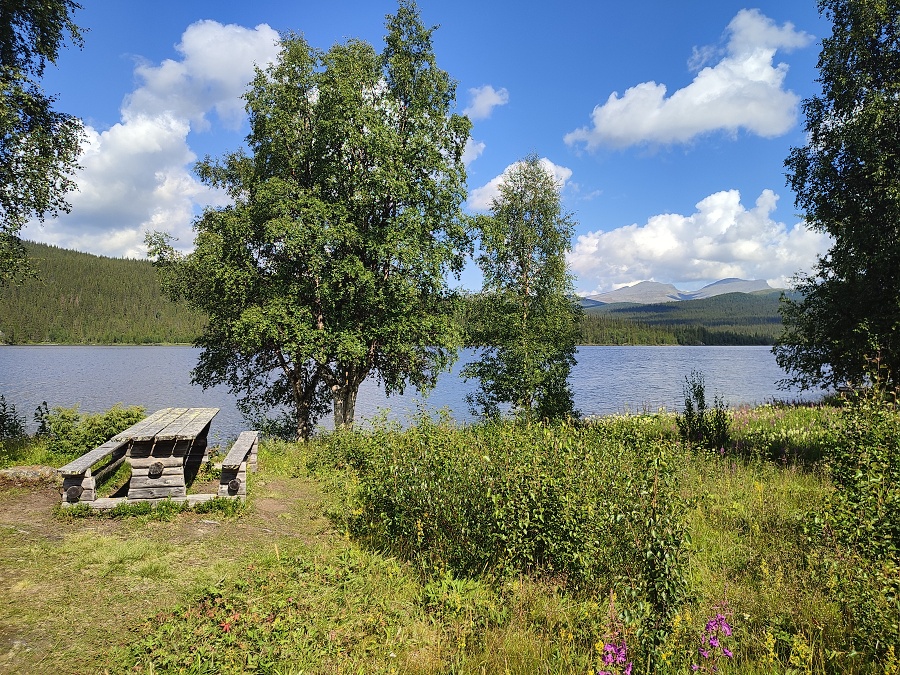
[(29, 475)]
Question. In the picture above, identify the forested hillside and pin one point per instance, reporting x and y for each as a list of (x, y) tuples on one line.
[(79, 298), (730, 319)]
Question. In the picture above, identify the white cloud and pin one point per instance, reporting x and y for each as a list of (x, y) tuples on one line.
[(484, 100), (136, 175), (472, 151), (744, 90), (721, 239), (480, 198)]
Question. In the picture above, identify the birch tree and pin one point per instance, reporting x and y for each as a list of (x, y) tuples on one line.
[(331, 264), (526, 317)]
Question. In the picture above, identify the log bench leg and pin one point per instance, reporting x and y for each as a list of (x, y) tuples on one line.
[(81, 488), (240, 459)]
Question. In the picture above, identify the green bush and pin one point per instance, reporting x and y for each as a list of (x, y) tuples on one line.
[(701, 426), (573, 503), (860, 519), (71, 433)]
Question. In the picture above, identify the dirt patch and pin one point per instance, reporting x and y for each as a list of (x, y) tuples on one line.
[(27, 506)]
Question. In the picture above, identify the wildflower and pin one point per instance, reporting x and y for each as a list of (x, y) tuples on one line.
[(711, 647), (614, 654)]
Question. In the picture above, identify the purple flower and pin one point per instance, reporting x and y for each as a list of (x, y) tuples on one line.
[(627, 670), (727, 652), (713, 641)]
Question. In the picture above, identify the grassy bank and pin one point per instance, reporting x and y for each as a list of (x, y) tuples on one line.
[(486, 549)]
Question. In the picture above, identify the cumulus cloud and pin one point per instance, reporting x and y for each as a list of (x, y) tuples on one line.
[(743, 90), (721, 239), (480, 198), (484, 100), (472, 151), (136, 175)]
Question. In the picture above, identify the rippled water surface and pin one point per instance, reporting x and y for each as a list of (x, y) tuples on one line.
[(606, 380)]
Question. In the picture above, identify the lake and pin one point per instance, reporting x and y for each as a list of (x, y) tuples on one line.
[(606, 380)]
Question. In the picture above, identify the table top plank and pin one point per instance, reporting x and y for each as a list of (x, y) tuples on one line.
[(188, 425), (149, 427)]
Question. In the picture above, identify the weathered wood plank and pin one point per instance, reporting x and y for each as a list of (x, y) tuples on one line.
[(139, 482), (106, 503), (148, 427), (166, 471), (143, 463), (189, 425), (156, 493), (242, 447), (87, 460)]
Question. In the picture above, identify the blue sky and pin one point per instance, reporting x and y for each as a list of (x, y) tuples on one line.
[(667, 124)]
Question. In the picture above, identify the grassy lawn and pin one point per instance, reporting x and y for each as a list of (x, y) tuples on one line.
[(294, 584)]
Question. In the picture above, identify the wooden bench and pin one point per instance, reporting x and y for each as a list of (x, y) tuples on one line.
[(239, 460), (80, 479), (165, 452)]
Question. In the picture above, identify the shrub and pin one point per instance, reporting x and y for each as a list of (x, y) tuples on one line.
[(700, 426), (567, 502), (861, 518), (72, 433), (12, 424)]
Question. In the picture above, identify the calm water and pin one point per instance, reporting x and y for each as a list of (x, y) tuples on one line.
[(606, 380)]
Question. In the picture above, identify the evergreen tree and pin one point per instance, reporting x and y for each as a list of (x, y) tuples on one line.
[(847, 183), (527, 316)]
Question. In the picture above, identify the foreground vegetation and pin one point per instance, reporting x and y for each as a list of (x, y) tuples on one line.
[(606, 546)]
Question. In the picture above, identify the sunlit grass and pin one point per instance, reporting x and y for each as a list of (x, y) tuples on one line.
[(285, 591)]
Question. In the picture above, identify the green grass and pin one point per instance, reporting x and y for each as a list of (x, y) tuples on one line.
[(283, 586)]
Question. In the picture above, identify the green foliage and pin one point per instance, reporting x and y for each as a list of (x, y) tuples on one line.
[(525, 320), (39, 146), (79, 298), (331, 263), (599, 511), (12, 424), (699, 425), (71, 433), (847, 185), (861, 517)]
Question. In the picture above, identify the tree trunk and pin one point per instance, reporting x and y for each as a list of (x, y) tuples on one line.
[(344, 388), (306, 381), (304, 427), (344, 405)]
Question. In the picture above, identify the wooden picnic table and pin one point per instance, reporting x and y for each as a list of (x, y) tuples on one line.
[(165, 451)]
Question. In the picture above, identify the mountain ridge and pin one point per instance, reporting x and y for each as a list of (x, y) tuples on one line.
[(654, 292)]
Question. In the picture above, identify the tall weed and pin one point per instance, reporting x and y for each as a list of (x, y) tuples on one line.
[(699, 425)]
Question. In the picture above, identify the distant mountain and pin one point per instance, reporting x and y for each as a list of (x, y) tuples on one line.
[(652, 292)]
